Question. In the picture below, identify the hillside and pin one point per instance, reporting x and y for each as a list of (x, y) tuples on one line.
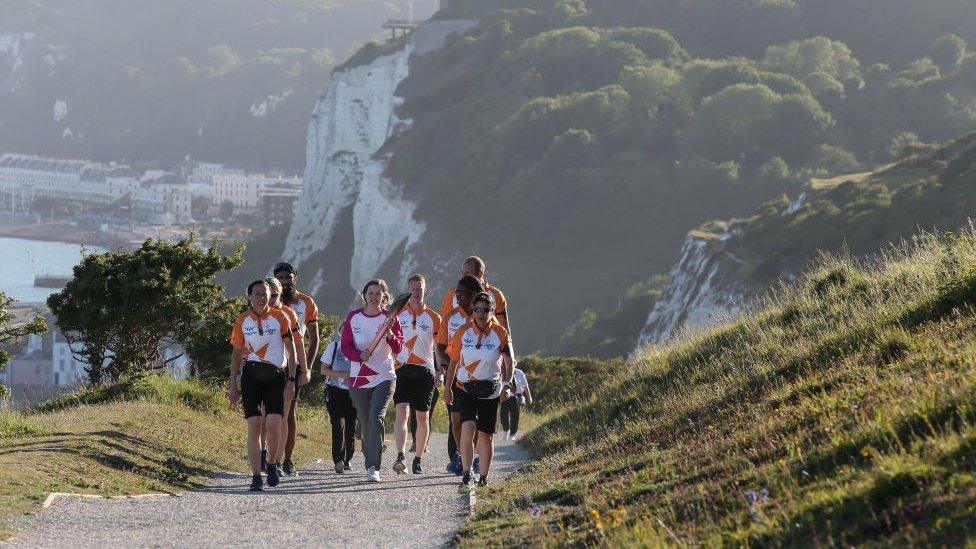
[(155, 80), (930, 188), (838, 414), (593, 136)]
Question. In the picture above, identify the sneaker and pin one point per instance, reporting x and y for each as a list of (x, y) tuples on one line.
[(257, 484), (339, 467), (416, 466), (264, 461), (455, 465), (511, 436), (346, 466), (274, 474), (505, 436), (372, 475), (483, 481), (475, 465), (399, 467), (288, 467), (467, 485)]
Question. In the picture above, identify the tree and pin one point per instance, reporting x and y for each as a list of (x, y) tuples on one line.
[(200, 207), (122, 307), (948, 51), (10, 331), (814, 55), (208, 346), (226, 209)]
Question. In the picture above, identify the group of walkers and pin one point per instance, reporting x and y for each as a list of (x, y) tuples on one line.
[(406, 356)]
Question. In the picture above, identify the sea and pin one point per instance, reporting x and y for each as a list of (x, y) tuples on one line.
[(21, 260)]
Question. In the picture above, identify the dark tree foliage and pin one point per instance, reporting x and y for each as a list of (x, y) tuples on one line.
[(121, 307)]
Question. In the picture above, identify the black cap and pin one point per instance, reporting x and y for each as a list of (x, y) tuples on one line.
[(283, 266)]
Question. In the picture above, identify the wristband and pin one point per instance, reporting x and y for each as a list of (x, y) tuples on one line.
[(292, 379)]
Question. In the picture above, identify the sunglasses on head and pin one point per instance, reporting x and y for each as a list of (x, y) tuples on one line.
[(481, 309)]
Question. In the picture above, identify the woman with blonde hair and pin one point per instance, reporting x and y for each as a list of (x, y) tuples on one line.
[(372, 374)]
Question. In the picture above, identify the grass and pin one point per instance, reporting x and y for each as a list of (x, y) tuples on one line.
[(839, 413), (150, 433)]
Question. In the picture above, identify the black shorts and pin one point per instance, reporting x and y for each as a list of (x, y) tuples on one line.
[(414, 386), (484, 412), (263, 384)]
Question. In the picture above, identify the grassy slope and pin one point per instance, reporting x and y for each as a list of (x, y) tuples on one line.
[(843, 409), (149, 435)]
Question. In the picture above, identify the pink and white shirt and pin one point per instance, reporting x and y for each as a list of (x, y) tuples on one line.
[(357, 334)]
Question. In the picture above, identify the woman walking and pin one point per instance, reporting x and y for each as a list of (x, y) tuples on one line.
[(372, 376), (481, 369), (342, 413), (264, 344)]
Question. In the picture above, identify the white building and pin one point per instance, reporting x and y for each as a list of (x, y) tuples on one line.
[(239, 188), (162, 198)]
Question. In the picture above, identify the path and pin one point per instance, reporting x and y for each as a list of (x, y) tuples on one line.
[(318, 508)]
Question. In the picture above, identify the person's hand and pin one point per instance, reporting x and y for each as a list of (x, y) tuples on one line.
[(506, 394), (449, 397), (365, 355), (438, 381), (289, 391), (306, 377), (233, 395)]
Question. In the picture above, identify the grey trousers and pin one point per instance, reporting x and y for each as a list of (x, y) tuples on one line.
[(371, 406)]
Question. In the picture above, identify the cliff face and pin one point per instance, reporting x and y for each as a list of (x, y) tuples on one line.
[(701, 289), (352, 221)]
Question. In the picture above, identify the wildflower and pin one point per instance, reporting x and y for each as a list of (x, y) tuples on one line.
[(535, 511), (755, 500), (597, 519)]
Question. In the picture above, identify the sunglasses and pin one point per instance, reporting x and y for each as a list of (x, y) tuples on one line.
[(481, 309)]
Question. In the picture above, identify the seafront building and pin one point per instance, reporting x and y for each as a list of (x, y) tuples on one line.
[(159, 197)]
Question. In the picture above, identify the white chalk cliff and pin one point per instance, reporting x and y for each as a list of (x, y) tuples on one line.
[(344, 168)]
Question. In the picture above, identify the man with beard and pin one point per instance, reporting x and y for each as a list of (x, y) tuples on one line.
[(308, 327)]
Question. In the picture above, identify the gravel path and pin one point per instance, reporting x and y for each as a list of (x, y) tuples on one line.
[(317, 508)]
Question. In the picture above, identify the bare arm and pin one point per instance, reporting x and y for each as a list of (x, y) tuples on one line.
[(451, 373), (235, 372), (290, 357), (312, 330), (302, 362)]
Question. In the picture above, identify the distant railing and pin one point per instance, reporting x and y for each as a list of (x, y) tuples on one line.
[(391, 23)]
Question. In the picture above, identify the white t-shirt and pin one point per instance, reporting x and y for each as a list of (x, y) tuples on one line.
[(340, 364), (521, 383)]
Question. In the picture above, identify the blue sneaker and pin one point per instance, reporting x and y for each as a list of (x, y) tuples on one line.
[(455, 465), (274, 474), (257, 484), (475, 465)]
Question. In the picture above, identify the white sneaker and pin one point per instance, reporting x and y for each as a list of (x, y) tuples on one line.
[(372, 475)]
